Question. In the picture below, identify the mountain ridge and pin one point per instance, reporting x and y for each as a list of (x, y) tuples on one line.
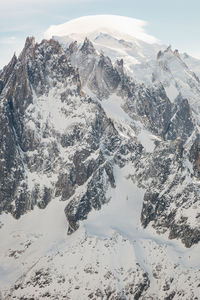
[(76, 127)]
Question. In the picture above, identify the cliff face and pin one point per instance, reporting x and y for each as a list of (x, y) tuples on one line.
[(73, 122), (42, 94), (21, 130)]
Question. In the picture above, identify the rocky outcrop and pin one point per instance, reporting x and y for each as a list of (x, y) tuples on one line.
[(11, 167), (166, 201), (181, 124), (29, 74), (6, 73), (194, 156)]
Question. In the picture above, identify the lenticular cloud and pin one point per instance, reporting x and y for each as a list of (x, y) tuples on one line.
[(88, 24)]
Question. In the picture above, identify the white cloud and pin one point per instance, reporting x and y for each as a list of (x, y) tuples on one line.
[(88, 24)]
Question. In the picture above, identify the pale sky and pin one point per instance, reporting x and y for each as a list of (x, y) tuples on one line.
[(174, 22)]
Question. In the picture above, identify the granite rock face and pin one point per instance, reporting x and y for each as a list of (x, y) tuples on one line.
[(194, 156), (102, 170), (59, 136)]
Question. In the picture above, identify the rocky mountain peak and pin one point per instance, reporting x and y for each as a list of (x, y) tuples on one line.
[(169, 49), (30, 42), (176, 53), (85, 147), (7, 71), (73, 47), (28, 48), (119, 65), (13, 61), (159, 54), (87, 47)]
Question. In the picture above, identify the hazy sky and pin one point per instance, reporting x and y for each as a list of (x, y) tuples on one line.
[(175, 22)]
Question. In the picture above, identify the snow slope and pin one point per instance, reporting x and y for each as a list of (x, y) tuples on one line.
[(108, 253)]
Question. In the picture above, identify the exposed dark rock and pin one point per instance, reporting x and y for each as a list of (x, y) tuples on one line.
[(46, 198), (87, 47), (143, 286), (155, 109), (194, 156), (188, 235), (181, 124), (160, 54), (7, 72), (11, 166), (93, 198), (65, 185), (18, 80), (104, 78), (150, 207)]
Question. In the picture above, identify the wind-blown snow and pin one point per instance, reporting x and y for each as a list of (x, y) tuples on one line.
[(147, 140), (113, 109), (107, 23), (171, 92)]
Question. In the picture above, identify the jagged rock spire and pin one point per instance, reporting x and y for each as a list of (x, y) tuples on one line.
[(87, 47), (4, 76)]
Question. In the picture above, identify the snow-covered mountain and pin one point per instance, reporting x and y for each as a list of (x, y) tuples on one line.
[(99, 152)]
